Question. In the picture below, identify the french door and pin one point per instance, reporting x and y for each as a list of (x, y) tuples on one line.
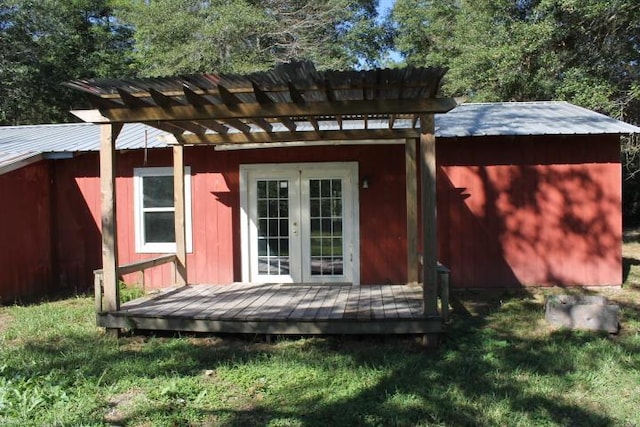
[(300, 223)]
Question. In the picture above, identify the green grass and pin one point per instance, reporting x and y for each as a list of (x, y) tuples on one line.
[(500, 365)]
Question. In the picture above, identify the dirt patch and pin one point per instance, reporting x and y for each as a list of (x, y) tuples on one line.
[(120, 405)]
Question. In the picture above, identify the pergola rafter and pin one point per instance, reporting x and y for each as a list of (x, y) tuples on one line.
[(292, 102)]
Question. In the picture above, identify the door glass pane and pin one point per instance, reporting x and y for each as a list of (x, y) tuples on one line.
[(326, 218), (273, 226)]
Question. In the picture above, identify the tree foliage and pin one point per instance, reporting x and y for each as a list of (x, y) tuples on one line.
[(583, 51), (47, 42), (187, 36)]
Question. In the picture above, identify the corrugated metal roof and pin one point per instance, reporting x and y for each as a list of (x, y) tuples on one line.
[(527, 118), (18, 143), (75, 137)]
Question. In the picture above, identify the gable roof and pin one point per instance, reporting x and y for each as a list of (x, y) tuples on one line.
[(20, 145)]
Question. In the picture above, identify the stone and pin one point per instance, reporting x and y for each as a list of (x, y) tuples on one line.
[(586, 312)]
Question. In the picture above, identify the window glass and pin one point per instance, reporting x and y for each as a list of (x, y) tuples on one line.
[(157, 191)]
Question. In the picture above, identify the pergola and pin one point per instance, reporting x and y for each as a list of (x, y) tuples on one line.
[(292, 102)]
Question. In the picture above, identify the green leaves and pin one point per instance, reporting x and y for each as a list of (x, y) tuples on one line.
[(584, 52), (48, 42), (241, 36)]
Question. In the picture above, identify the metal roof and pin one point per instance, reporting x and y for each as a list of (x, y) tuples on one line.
[(527, 118), (19, 144)]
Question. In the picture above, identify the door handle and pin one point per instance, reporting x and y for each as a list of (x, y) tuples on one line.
[(294, 230)]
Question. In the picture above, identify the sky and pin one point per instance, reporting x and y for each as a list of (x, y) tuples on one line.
[(385, 5)]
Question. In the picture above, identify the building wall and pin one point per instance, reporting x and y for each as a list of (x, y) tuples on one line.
[(216, 256), (511, 211), (530, 211), (25, 232)]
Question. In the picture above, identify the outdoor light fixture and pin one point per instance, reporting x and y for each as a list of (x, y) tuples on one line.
[(365, 182)]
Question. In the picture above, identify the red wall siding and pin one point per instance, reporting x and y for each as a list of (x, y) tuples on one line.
[(25, 230), (530, 211), (511, 211), (216, 208), (77, 219)]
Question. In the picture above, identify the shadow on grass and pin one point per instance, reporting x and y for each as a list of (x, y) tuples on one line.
[(483, 374), (627, 263)]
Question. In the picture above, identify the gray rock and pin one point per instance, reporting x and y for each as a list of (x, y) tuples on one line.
[(582, 312)]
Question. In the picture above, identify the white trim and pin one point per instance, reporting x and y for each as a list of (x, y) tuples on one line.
[(159, 248), (291, 144), (20, 162), (345, 170)]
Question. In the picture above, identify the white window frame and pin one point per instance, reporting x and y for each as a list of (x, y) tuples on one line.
[(158, 248)]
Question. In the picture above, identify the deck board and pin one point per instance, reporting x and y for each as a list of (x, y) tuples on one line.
[(279, 309)]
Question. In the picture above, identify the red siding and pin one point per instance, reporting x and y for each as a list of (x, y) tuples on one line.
[(25, 232), (530, 211), (77, 219), (511, 211), (216, 208)]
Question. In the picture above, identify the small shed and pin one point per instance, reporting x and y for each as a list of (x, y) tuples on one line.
[(303, 206)]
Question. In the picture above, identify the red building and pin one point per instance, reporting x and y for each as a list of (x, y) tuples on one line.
[(527, 194)]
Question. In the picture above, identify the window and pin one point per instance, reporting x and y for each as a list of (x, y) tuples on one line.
[(154, 210)]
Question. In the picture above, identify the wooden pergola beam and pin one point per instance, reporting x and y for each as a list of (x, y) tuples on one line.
[(108, 135), (327, 135), (180, 215), (411, 173), (429, 226), (256, 110)]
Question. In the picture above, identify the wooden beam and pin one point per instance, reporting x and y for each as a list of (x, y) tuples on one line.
[(229, 99), (190, 126), (264, 99), (214, 126), (108, 135), (132, 101), (296, 96), (413, 259), (256, 110), (194, 98), (314, 123), (326, 135), (392, 121), (429, 226), (162, 100), (240, 125), (180, 215)]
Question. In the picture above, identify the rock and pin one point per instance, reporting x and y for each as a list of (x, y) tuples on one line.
[(582, 312)]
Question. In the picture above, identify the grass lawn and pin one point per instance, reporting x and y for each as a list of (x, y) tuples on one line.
[(500, 365)]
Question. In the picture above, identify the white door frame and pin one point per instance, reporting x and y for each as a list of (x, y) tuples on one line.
[(351, 200)]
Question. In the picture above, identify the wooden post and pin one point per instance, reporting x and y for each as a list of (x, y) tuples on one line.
[(412, 211), (108, 135), (180, 214), (429, 227)]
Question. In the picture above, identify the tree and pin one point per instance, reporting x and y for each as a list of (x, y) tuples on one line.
[(48, 42), (583, 51), (497, 50), (189, 36)]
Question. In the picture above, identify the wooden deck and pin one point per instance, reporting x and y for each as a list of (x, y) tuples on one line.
[(279, 309)]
